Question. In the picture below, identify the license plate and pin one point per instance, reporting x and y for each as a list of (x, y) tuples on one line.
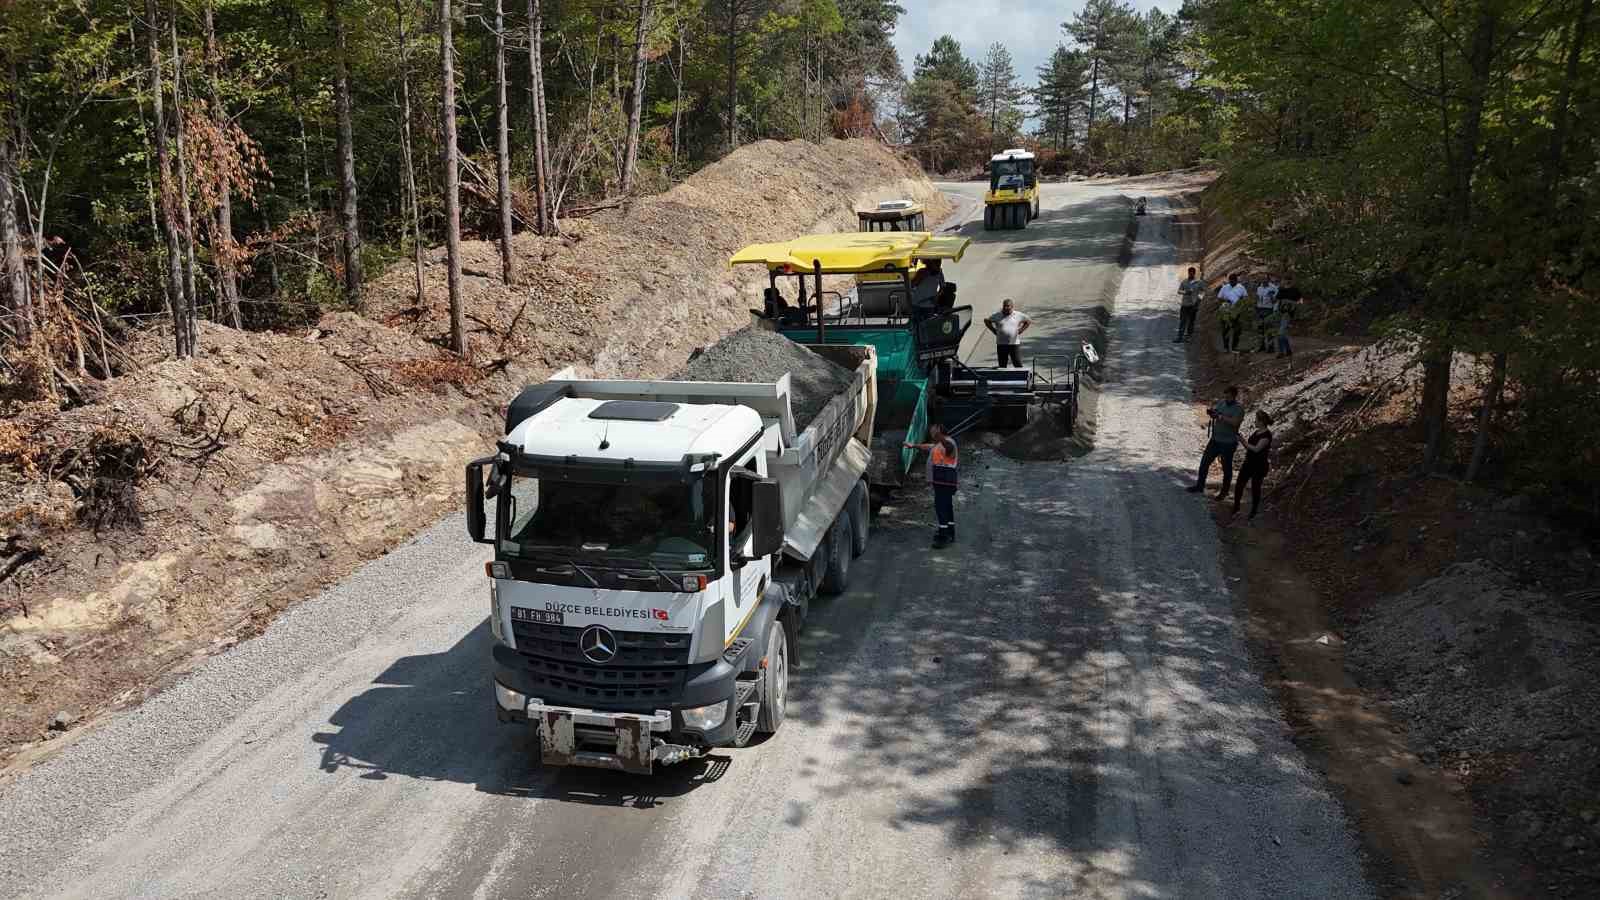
[(536, 616)]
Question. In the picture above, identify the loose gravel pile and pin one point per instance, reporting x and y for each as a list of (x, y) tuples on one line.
[(1476, 662), (750, 356)]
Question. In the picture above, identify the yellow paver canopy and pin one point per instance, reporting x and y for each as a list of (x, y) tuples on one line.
[(849, 253)]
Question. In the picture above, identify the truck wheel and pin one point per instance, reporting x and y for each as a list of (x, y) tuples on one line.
[(860, 518), (988, 218), (775, 687), (836, 577)]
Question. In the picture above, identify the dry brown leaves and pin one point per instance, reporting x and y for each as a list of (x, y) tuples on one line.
[(433, 373)]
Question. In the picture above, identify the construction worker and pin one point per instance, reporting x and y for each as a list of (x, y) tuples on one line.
[(943, 462)]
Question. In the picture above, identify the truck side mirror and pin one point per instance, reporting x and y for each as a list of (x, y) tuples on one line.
[(477, 520), (766, 518)]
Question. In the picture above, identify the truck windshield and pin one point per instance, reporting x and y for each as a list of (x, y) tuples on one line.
[(662, 524)]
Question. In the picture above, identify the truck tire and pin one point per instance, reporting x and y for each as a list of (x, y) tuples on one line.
[(775, 687), (860, 518), (988, 218), (836, 575)]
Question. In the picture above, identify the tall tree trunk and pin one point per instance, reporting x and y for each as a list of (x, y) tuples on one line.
[(1555, 156), (1436, 364), (1094, 95), (508, 260), (13, 278), (349, 217), (1491, 402), (190, 295), (541, 125), (183, 339), (677, 102), (630, 157), (733, 75), (413, 205), (223, 245), (452, 181), (149, 152)]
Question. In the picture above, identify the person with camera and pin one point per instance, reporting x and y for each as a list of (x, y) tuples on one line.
[(1226, 415)]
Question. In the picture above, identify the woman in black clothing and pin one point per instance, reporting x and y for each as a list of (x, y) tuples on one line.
[(1256, 448)]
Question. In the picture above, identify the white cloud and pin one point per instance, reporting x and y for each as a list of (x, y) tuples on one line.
[(1030, 29)]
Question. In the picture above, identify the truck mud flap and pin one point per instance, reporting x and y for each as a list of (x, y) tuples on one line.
[(634, 750)]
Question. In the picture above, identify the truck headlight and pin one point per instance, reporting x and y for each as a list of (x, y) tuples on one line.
[(705, 718), (509, 699)]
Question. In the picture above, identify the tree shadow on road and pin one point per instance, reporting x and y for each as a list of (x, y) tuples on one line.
[(430, 717)]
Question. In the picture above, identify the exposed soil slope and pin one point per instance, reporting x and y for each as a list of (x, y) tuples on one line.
[(197, 498), (1468, 615)]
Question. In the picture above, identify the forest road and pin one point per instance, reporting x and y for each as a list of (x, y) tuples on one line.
[(1060, 704)]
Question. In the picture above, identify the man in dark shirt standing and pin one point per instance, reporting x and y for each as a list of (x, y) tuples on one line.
[(1226, 417), (1191, 289)]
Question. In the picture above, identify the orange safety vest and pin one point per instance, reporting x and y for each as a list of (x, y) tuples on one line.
[(942, 464)]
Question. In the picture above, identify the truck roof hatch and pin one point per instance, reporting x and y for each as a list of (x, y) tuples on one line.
[(634, 410)]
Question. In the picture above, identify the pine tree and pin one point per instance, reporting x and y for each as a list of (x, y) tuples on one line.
[(1060, 94), (1000, 96), (1100, 30)]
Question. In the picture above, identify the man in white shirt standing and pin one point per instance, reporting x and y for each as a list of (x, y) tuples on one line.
[(1008, 325), (1266, 308), (1228, 313)]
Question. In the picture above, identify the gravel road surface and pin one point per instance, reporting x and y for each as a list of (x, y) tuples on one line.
[(1060, 704)]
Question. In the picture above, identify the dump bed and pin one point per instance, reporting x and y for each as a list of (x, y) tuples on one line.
[(816, 467)]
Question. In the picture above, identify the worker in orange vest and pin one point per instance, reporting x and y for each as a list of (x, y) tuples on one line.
[(943, 462)]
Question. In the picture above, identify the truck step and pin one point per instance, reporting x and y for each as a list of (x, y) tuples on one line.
[(747, 730), (743, 690), (736, 650)]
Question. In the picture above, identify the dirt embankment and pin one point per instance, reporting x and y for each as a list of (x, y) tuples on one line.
[(179, 512), (1433, 641)]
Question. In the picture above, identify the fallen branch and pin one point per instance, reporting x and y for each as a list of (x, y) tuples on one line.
[(510, 329), (1343, 429), (570, 211), (375, 384), (17, 561)]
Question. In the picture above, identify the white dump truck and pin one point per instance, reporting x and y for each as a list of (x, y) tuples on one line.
[(657, 545)]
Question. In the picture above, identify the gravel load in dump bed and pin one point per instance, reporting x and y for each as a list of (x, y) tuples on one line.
[(750, 356)]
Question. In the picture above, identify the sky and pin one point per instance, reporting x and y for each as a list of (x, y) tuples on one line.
[(1030, 29)]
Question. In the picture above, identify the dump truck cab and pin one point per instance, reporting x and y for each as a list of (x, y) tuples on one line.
[(908, 314), (1012, 200), (656, 546)]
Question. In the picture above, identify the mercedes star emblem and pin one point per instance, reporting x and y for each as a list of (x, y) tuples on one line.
[(598, 644)]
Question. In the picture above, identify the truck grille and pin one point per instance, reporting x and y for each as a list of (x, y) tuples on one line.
[(648, 667)]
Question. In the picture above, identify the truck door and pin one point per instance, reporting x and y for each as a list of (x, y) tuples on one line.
[(749, 580)]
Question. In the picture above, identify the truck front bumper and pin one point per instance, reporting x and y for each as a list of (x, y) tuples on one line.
[(630, 740), (636, 746)]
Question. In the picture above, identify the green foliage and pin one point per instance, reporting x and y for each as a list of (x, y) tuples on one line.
[(1426, 166), (76, 99), (945, 62), (1000, 97)]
